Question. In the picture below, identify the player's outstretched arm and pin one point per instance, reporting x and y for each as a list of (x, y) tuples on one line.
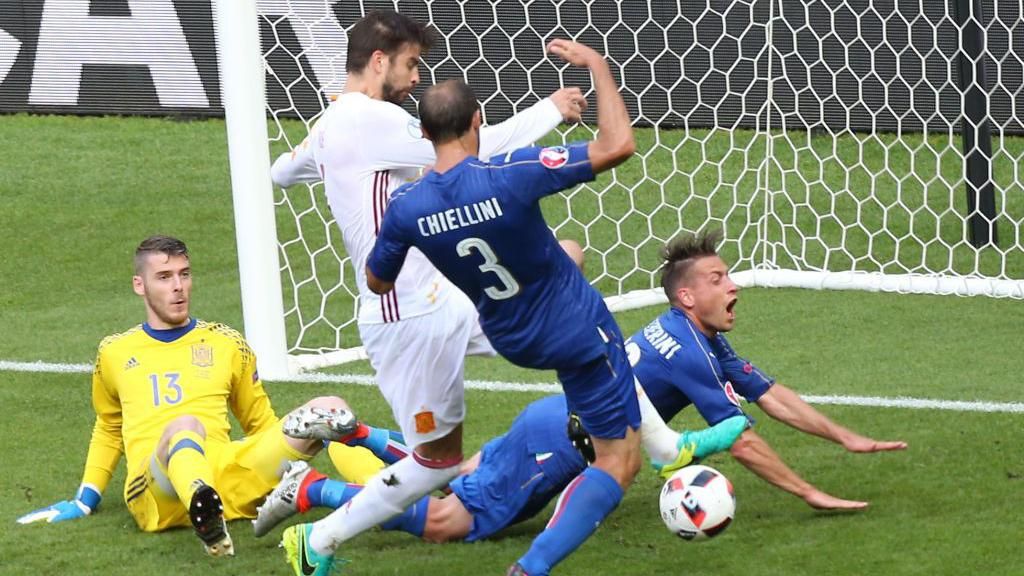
[(104, 454), (754, 453), (614, 143), (784, 405), (299, 165)]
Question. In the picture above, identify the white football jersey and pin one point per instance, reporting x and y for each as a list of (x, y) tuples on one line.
[(363, 149)]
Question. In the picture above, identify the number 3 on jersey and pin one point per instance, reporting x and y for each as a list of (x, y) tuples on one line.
[(509, 286)]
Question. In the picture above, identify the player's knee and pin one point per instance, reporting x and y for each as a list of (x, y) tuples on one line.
[(328, 402), (622, 467), (185, 422), (446, 449), (447, 520), (574, 250)]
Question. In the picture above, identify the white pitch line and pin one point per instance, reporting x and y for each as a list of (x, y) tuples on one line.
[(367, 380)]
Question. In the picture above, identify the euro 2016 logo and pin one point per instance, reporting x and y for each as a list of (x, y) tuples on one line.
[(554, 157)]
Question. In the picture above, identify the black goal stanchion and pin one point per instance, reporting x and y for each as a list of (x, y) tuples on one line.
[(975, 125)]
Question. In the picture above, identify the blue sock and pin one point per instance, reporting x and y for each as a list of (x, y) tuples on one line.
[(584, 503), (385, 444), (412, 520), (334, 494), (331, 493)]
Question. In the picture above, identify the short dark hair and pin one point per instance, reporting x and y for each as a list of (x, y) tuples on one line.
[(679, 255), (447, 109), (158, 244), (387, 31)]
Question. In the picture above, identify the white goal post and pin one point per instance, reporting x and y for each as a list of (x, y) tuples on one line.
[(838, 144)]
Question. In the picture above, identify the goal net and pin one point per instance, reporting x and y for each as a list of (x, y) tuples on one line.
[(837, 144)]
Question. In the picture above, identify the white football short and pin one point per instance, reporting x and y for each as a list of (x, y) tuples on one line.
[(419, 363)]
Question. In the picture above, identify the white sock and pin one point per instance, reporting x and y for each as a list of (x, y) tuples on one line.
[(387, 494)]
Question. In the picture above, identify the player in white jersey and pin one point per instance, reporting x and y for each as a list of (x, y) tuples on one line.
[(417, 336)]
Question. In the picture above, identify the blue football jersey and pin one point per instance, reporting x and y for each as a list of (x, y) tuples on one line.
[(678, 365), (480, 223)]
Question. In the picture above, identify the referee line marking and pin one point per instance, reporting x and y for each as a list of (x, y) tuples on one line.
[(367, 380)]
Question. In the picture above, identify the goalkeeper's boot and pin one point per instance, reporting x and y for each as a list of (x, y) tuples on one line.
[(714, 439), (207, 515), (313, 423), (301, 556), (286, 500)]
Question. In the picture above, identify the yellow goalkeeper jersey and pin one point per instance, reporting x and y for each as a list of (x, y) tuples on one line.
[(146, 378)]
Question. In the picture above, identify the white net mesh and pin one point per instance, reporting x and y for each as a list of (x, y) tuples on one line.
[(825, 138)]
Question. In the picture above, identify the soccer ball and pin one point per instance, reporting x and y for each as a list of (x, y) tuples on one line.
[(697, 503)]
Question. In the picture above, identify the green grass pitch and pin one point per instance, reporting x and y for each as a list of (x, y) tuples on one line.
[(79, 193)]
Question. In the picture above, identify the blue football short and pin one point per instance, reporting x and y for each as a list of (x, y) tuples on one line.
[(602, 391), (513, 483)]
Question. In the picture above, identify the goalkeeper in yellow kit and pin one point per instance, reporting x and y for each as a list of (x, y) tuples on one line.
[(161, 392)]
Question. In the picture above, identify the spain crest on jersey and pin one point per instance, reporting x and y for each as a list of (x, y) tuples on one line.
[(202, 355)]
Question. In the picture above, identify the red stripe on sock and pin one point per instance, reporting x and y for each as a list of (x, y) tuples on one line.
[(562, 500), (302, 498)]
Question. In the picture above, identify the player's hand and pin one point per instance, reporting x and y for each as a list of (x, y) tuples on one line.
[(575, 53), (863, 444), (59, 512), (85, 501), (570, 103), (822, 501)]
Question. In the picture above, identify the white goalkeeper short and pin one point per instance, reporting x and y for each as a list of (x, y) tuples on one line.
[(419, 363)]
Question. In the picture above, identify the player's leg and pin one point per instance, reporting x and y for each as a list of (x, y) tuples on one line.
[(182, 458), (322, 418), (349, 454), (356, 449), (447, 520), (603, 395), (419, 368), (251, 468), (303, 488)]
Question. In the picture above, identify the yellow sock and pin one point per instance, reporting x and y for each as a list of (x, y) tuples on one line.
[(355, 463), (187, 467)]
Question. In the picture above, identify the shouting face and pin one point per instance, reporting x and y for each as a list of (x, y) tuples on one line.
[(708, 295)]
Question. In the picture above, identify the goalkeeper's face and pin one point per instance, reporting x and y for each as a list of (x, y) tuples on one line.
[(165, 284), (403, 73), (709, 295)]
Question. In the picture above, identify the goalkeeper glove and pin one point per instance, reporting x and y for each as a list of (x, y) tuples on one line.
[(87, 499)]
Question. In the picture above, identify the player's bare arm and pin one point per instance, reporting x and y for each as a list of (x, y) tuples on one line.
[(756, 455), (786, 406), (614, 143)]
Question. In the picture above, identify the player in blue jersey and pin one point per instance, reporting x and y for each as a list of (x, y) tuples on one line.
[(481, 225), (511, 479), (683, 358)]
